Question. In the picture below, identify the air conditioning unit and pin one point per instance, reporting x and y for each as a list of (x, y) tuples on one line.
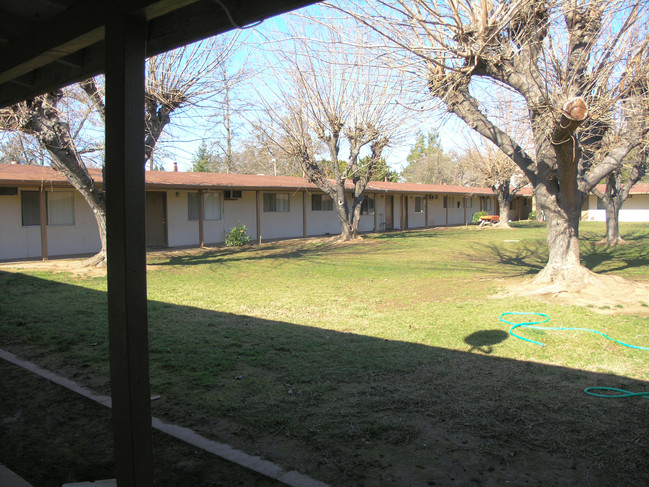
[(232, 194)]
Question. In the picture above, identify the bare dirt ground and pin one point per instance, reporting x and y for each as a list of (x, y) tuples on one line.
[(602, 294)]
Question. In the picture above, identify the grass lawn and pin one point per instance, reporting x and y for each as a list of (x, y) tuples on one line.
[(381, 362)]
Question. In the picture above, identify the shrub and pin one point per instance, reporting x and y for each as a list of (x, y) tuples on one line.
[(532, 215), (237, 237), (476, 216)]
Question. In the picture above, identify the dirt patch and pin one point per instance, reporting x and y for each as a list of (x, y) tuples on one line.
[(603, 294), (78, 265), (74, 266)]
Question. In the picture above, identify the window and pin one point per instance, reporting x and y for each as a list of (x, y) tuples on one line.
[(232, 194), (367, 206), (211, 206), (419, 204), (445, 201), (468, 202), (59, 208), (276, 202), (31, 208), (486, 204), (321, 202), (600, 204)]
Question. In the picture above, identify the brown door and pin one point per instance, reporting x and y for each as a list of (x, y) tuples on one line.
[(389, 212), (156, 219)]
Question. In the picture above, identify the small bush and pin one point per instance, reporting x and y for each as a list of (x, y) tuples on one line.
[(476, 216), (532, 215), (237, 237)]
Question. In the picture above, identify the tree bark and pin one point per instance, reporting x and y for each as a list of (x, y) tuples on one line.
[(560, 199), (612, 226), (503, 210), (41, 119)]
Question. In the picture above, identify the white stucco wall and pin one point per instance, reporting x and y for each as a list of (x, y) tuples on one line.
[(634, 209), (321, 222), (235, 212), (180, 231), (18, 242), (436, 211), (415, 220), (80, 238), (281, 224)]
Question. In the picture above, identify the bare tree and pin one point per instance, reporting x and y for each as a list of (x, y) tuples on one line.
[(616, 192), (176, 80), (489, 166), (332, 101), (579, 65)]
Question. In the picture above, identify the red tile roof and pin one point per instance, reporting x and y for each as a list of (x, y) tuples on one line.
[(17, 174)]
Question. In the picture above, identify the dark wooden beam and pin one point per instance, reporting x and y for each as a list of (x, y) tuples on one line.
[(126, 250), (70, 47)]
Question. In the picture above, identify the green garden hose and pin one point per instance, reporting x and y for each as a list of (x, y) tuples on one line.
[(616, 393)]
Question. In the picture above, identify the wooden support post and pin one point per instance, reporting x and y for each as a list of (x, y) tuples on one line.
[(426, 211), (43, 222), (126, 251), (376, 210), (258, 210), (201, 218), (304, 220)]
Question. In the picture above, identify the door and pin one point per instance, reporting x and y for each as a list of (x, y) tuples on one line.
[(389, 212), (156, 219)]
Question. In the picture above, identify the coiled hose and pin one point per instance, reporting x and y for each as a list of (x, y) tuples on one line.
[(614, 393)]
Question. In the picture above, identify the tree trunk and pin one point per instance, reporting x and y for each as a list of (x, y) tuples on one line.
[(564, 266), (503, 208), (100, 216), (54, 135), (612, 225), (560, 200), (348, 224)]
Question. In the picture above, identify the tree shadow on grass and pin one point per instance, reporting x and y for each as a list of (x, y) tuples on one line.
[(342, 407), (529, 258), (411, 233), (279, 250), (520, 258), (604, 259)]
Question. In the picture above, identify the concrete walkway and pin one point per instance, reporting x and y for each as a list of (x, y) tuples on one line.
[(10, 479), (254, 463)]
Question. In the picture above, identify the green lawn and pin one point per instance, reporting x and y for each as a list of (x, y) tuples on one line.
[(340, 360)]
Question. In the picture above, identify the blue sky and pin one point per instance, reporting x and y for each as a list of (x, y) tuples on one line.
[(187, 129)]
